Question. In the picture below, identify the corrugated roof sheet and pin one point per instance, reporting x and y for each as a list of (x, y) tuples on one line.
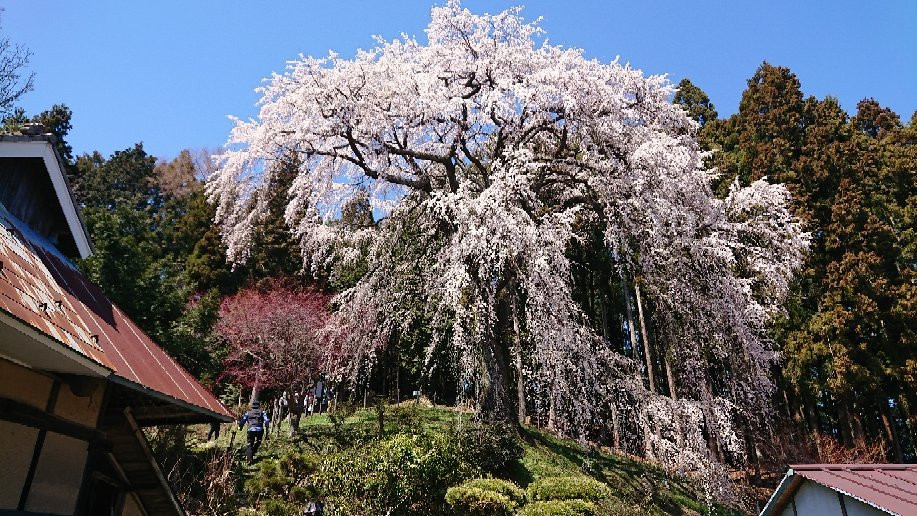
[(892, 487), (43, 290)]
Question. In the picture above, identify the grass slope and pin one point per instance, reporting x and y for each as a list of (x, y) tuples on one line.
[(639, 487)]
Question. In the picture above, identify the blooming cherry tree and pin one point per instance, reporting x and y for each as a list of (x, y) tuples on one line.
[(275, 337), (488, 151)]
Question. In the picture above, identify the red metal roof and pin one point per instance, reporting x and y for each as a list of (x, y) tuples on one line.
[(892, 487), (46, 292)]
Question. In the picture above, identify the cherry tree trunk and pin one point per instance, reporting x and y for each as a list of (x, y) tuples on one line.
[(517, 358), (714, 439), (628, 304), (256, 388), (645, 340), (497, 404)]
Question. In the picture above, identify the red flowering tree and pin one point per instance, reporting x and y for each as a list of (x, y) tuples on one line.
[(275, 336)]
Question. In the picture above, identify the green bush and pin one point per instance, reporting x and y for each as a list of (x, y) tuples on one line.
[(277, 508), (503, 487), (275, 483), (494, 448), (474, 501), (409, 472), (568, 488), (402, 474), (560, 508), (268, 479)]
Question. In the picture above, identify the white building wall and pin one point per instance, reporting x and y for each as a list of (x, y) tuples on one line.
[(56, 485), (812, 498), (18, 444), (815, 499), (858, 508)]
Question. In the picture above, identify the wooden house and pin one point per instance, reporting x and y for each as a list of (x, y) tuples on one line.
[(78, 379)]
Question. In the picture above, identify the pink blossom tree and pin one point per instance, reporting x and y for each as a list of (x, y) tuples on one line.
[(276, 337)]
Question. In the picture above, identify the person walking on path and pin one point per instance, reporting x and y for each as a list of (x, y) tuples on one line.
[(319, 392), (296, 410), (214, 432), (257, 422), (283, 405)]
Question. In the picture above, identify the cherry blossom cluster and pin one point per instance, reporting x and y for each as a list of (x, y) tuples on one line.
[(485, 151)]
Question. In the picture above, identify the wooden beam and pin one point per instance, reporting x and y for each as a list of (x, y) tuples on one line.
[(23, 414), (39, 442), (163, 413), (145, 446)]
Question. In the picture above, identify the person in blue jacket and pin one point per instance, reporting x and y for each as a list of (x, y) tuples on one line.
[(257, 424)]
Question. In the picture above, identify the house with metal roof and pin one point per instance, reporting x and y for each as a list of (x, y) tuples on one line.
[(845, 490), (78, 379)]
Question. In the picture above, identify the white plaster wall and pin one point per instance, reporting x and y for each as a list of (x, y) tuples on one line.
[(858, 508), (24, 385), (812, 498), (56, 485), (81, 409), (131, 507), (816, 499), (18, 447)]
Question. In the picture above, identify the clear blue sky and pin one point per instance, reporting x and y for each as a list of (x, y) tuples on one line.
[(168, 72)]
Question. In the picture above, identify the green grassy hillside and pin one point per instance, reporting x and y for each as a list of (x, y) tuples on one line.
[(345, 460)]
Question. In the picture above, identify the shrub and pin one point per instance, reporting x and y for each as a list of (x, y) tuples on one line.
[(568, 488), (560, 508), (277, 508), (494, 448), (402, 474), (268, 479), (275, 483), (409, 472), (474, 501), (503, 487)]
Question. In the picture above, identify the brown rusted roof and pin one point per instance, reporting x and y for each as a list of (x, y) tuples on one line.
[(891, 487), (44, 291)]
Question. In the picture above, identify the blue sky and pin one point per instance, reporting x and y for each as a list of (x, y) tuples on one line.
[(168, 72)]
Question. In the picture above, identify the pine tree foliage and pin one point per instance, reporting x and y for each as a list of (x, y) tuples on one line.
[(847, 340)]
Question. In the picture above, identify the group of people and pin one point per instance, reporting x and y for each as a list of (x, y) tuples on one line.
[(285, 406), (258, 421)]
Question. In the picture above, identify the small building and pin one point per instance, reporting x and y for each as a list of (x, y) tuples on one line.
[(845, 490), (78, 379)]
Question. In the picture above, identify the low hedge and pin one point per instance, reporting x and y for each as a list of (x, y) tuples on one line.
[(568, 488), (474, 501), (560, 508), (496, 485)]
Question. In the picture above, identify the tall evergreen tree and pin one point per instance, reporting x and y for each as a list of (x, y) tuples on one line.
[(695, 101), (847, 335), (275, 250)]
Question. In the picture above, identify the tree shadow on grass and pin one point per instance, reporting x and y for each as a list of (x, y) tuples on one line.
[(633, 482)]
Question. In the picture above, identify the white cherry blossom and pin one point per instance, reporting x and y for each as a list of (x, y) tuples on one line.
[(492, 149)]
